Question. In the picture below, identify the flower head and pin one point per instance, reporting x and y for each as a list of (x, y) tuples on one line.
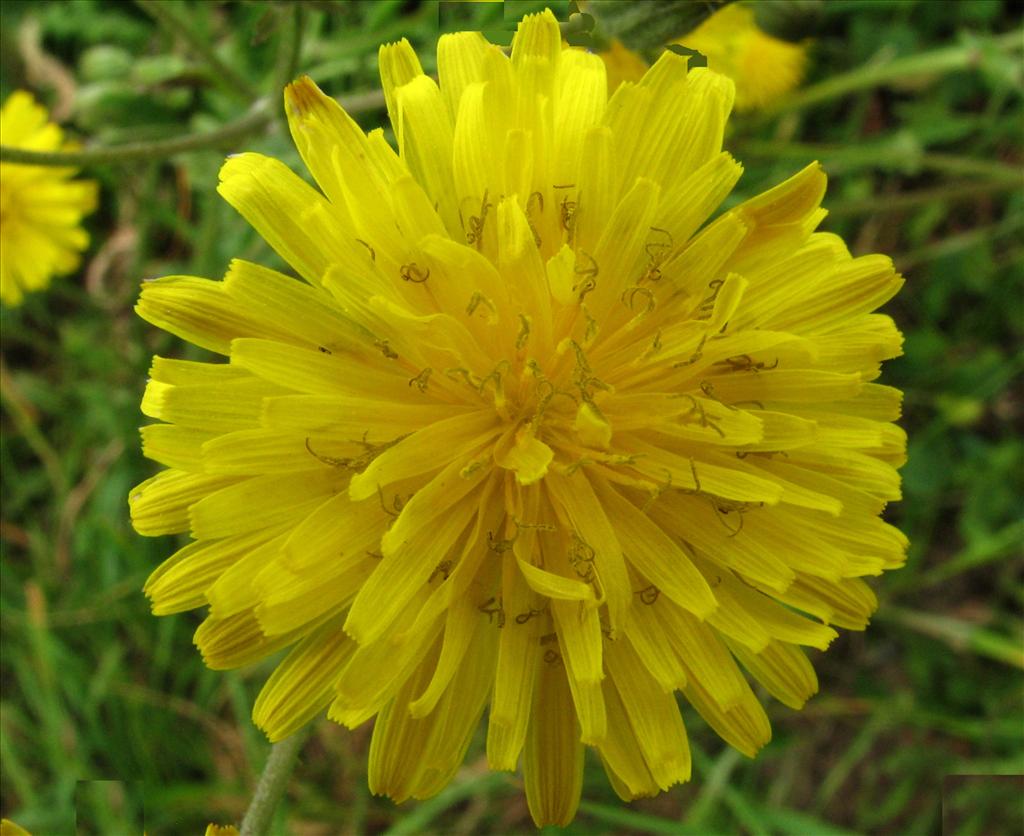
[(763, 68), (41, 208), (622, 64), (532, 434)]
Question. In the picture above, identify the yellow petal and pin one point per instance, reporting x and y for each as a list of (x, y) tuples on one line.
[(261, 502), (425, 141), (161, 505), (302, 685), (200, 311), (744, 726), (620, 752), (576, 497), (528, 458), (410, 558), (291, 216), (553, 758), (176, 447), (180, 582), (656, 557), (459, 59), (417, 454), (398, 66), (784, 671), (653, 715), (581, 99), (580, 639), (519, 653), (236, 641)]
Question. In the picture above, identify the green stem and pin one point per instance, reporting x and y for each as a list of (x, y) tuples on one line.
[(418, 818), (953, 164), (990, 548), (257, 118), (959, 635), (908, 200), (901, 153), (166, 14), (289, 47), (957, 243), (272, 784), (20, 410), (934, 62)]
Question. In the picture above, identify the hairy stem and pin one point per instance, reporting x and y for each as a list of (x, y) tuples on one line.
[(272, 784)]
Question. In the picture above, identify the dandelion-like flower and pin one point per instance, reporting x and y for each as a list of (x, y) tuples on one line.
[(532, 435), (763, 67), (622, 64), (41, 208)]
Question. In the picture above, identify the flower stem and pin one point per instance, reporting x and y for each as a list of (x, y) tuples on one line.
[(958, 243), (167, 16), (289, 47), (258, 117), (872, 75), (900, 152), (272, 784), (909, 200)]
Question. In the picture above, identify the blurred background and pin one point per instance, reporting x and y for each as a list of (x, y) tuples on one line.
[(108, 715)]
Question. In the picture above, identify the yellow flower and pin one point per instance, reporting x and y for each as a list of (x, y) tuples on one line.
[(764, 67), (532, 434), (9, 828), (221, 830), (41, 209), (622, 64)]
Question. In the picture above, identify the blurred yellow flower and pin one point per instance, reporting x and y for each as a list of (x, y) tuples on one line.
[(533, 433), (9, 828), (622, 64), (221, 830), (41, 208), (763, 68)]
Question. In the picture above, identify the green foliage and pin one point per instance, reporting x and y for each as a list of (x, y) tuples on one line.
[(106, 709)]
